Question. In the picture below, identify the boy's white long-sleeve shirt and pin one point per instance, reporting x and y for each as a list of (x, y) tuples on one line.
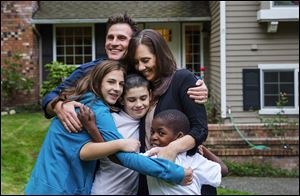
[(204, 172)]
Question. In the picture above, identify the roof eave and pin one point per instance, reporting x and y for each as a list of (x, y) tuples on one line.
[(73, 21)]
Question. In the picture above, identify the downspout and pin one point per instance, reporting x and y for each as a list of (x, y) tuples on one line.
[(223, 57), (39, 38)]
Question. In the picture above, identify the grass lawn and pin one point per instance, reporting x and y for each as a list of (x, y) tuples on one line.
[(22, 136)]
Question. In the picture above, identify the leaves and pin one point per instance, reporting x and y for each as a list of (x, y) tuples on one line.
[(58, 72)]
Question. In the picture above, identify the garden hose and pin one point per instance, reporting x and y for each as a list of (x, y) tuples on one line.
[(255, 147)]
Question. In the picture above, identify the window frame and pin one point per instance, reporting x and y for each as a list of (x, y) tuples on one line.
[(73, 25), (278, 13), (201, 54), (280, 67)]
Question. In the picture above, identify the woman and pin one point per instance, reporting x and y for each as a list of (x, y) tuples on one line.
[(150, 55)]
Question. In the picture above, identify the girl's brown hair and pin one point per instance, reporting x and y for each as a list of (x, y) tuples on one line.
[(91, 82)]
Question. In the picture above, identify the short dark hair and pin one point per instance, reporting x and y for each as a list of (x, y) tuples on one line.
[(122, 19), (175, 120), (135, 80)]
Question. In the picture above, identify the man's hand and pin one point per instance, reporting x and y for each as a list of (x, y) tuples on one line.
[(199, 93), (67, 115)]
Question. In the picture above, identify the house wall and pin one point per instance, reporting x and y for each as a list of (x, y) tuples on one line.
[(213, 69), (17, 36), (243, 32)]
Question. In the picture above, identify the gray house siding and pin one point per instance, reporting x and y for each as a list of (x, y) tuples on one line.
[(214, 67), (243, 32)]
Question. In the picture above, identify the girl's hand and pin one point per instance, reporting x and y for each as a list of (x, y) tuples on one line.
[(129, 145), (188, 177)]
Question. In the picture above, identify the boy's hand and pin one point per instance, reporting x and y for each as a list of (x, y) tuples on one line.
[(87, 118), (200, 149), (67, 115), (188, 177), (198, 93)]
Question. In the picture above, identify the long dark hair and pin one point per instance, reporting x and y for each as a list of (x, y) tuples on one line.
[(165, 61)]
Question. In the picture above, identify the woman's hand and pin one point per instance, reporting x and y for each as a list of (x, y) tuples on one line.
[(188, 177), (199, 93), (129, 145), (166, 152)]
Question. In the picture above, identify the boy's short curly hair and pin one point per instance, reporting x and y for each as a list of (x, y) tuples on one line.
[(176, 120)]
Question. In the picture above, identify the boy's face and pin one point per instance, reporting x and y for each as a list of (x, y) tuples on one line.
[(161, 135), (112, 86), (117, 41), (136, 102)]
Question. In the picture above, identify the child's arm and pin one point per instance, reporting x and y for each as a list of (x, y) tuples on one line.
[(211, 156), (92, 151)]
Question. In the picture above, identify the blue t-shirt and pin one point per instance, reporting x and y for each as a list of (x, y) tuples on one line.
[(59, 170)]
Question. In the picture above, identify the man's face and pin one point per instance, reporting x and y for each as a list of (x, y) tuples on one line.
[(117, 41)]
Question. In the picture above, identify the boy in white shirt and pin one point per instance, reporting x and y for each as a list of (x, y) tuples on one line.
[(168, 126)]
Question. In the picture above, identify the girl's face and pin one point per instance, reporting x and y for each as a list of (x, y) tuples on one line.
[(112, 86), (136, 102), (145, 62)]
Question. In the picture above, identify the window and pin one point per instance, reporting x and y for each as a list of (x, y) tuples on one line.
[(278, 11), (277, 79), (73, 45), (192, 48), (285, 3)]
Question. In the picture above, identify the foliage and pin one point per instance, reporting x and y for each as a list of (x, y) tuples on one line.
[(12, 80), (213, 114), (222, 191), (275, 123), (57, 73), (259, 170)]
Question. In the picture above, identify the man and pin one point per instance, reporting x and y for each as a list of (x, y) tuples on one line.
[(120, 29)]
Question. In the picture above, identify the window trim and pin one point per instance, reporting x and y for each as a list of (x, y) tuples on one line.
[(279, 13), (274, 110), (74, 25), (184, 25)]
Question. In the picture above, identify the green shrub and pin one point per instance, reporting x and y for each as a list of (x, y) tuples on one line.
[(258, 170), (57, 73), (12, 79)]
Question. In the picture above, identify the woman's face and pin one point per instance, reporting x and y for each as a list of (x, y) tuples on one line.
[(136, 101), (112, 86), (145, 62)]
